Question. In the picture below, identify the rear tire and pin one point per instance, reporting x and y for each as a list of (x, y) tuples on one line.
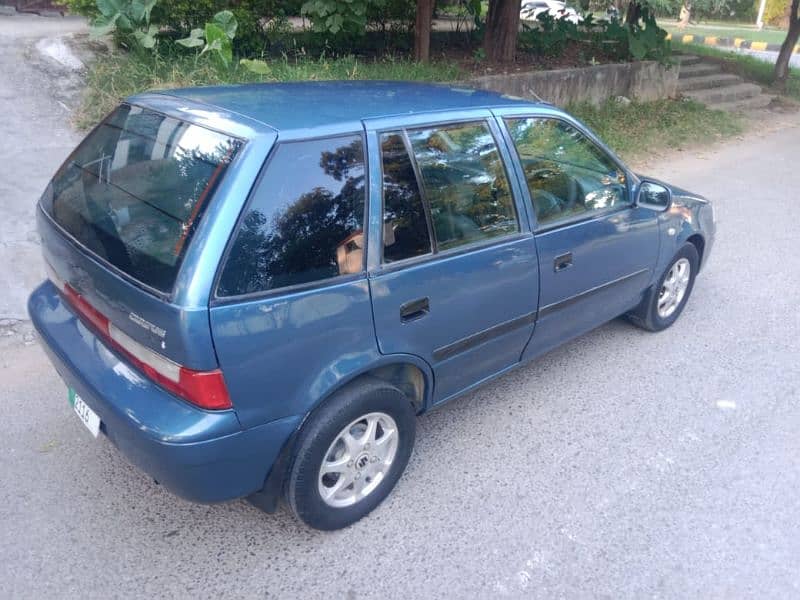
[(666, 300), (350, 454)]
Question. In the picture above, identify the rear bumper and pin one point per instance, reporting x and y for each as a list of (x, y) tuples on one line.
[(202, 456)]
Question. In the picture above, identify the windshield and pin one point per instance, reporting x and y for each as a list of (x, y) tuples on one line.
[(134, 190)]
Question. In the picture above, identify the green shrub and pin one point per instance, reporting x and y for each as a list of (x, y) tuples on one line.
[(647, 41), (550, 37), (611, 39), (87, 8), (181, 16), (128, 21), (216, 38), (337, 16)]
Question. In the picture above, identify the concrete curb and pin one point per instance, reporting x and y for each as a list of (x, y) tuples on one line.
[(727, 42)]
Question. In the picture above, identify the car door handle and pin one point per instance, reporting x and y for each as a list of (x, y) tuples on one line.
[(415, 309), (563, 261)]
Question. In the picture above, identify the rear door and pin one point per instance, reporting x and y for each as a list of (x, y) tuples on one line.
[(452, 265), (597, 249)]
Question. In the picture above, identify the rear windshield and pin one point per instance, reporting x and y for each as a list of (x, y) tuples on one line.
[(135, 189)]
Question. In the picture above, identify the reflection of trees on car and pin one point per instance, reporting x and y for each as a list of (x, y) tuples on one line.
[(314, 236), (566, 173), (465, 183)]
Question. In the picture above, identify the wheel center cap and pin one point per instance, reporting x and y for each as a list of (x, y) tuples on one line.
[(362, 461)]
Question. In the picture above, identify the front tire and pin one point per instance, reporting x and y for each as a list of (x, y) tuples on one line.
[(350, 454), (664, 303)]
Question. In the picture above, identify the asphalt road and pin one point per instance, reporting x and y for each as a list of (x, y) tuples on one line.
[(623, 465), (36, 139)]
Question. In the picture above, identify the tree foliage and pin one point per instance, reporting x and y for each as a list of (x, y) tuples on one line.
[(775, 11)]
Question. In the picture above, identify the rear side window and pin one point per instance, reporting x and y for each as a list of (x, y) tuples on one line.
[(134, 190), (304, 222), (465, 184)]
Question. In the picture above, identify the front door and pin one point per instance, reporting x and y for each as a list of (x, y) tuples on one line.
[(456, 282), (597, 250)]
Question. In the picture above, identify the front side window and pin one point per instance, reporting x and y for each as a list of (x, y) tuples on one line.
[(305, 220), (568, 176), (135, 189), (464, 183)]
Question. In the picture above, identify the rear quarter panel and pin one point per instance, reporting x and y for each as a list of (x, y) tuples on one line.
[(283, 354)]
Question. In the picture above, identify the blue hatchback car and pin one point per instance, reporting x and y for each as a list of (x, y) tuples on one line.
[(254, 290)]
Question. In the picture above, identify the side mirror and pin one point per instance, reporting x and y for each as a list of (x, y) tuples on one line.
[(653, 195)]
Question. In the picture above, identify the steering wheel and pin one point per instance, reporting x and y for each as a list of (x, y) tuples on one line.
[(546, 204), (573, 192)]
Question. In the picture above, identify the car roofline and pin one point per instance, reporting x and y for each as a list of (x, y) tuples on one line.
[(240, 124), (219, 118)]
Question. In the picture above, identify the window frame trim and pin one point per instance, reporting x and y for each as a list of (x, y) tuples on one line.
[(425, 208), (423, 197), (435, 253), (449, 253), (537, 226), (217, 300)]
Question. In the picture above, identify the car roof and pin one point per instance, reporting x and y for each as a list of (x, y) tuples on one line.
[(339, 104)]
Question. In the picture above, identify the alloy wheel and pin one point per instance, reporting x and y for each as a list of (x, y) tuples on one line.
[(673, 290), (358, 460)]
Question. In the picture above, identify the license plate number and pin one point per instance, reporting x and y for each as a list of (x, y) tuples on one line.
[(87, 416)]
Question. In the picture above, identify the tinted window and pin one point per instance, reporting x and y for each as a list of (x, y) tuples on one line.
[(464, 183), (568, 176), (304, 222), (405, 227), (135, 188)]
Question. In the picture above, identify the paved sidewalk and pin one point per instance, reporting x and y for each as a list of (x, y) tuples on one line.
[(38, 139)]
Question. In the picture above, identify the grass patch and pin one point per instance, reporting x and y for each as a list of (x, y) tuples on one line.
[(641, 128), (114, 77), (745, 65)]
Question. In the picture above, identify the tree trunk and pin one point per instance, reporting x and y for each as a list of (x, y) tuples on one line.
[(634, 13), (782, 64), (422, 30), (686, 13), (502, 29)]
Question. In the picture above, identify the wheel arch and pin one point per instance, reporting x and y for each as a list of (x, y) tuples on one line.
[(410, 374), (699, 242)]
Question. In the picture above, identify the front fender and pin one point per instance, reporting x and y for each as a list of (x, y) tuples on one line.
[(687, 218)]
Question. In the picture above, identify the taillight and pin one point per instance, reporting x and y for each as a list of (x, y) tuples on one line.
[(205, 389)]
